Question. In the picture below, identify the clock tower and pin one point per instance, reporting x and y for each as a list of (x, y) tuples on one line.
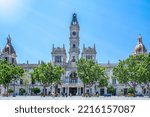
[(74, 50)]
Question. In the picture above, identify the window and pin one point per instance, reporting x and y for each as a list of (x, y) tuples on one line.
[(74, 46), (73, 78), (6, 58), (88, 57), (21, 81), (73, 59), (57, 59), (13, 60), (7, 50)]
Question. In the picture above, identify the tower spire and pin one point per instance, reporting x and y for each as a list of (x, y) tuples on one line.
[(74, 19)]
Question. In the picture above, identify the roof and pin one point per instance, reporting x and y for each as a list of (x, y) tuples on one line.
[(140, 48), (9, 49), (89, 50)]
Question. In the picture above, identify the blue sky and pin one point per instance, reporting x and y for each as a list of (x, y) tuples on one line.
[(113, 25)]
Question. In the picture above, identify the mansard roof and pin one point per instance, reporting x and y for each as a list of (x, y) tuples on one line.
[(89, 50), (58, 50)]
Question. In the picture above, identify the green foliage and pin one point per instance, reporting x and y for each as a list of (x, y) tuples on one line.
[(103, 82), (8, 73), (90, 72), (10, 91), (131, 71), (120, 72), (47, 74), (5, 73), (26, 78), (22, 91), (134, 71), (35, 90), (130, 90), (111, 90)]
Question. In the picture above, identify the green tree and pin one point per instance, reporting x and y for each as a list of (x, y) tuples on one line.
[(16, 73), (35, 90), (111, 90), (47, 74), (10, 91), (144, 72), (26, 79), (131, 71), (8, 73), (130, 90), (90, 72), (5, 75), (22, 91)]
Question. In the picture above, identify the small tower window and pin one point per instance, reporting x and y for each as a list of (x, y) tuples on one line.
[(73, 59), (88, 57), (7, 49), (57, 59), (74, 46)]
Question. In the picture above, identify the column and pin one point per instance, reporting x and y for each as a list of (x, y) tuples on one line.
[(105, 90), (65, 89), (77, 91), (61, 90), (68, 91)]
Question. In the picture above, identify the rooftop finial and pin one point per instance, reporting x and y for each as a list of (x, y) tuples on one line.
[(39, 62), (74, 19), (27, 62), (63, 46), (8, 39), (53, 46), (83, 46), (140, 38), (94, 46)]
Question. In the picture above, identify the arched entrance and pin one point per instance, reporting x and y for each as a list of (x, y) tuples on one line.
[(73, 79)]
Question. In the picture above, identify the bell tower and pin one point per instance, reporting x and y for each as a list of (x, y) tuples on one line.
[(74, 50)]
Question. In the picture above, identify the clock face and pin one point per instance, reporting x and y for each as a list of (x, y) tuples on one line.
[(73, 33)]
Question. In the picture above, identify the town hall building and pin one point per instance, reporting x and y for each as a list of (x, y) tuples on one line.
[(70, 84)]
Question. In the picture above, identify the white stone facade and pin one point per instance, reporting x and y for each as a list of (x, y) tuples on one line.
[(71, 84)]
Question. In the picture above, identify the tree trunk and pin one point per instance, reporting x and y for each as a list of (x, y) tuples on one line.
[(7, 90), (84, 89), (134, 90), (14, 93), (25, 90), (148, 91), (43, 90)]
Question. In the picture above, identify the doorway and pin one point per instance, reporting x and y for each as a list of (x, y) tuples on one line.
[(73, 91)]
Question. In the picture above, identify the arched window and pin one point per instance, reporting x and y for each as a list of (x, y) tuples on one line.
[(73, 77), (73, 59), (74, 46)]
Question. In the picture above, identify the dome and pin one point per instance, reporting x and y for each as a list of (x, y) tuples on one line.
[(9, 49), (140, 48)]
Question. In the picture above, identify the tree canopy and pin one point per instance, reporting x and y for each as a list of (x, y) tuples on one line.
[(8, 73), (133, 71), (90, 72), (47, 74)]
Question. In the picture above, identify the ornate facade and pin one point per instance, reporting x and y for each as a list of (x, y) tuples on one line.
[(71, 84)]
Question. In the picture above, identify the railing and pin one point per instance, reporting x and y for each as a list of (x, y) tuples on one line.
[(72, 81)]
